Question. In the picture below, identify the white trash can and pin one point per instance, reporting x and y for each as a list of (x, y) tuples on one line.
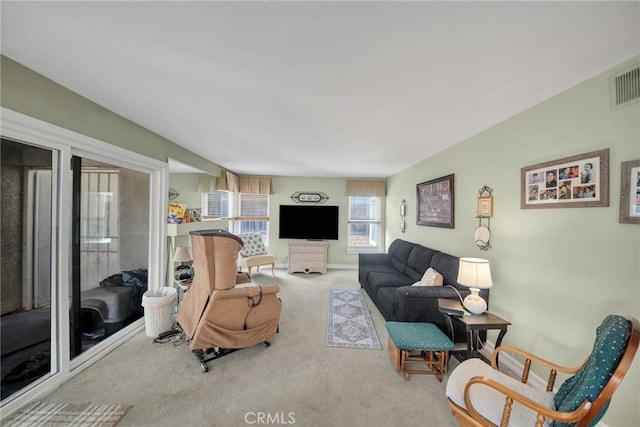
[(159, 308)]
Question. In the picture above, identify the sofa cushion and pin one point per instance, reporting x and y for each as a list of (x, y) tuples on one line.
[(399, 251), (366, 270), (418, 262), (378, 279), (447, 265)]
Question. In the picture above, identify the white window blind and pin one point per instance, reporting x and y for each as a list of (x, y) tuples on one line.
[(253, 207), (216, 205), (252, 215), (364, 223)]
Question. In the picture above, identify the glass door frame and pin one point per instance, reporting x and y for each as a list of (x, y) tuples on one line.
[(65, 144)]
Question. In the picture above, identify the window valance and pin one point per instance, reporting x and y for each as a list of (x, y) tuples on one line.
[(255, 185), (207, 184), (366, 188), (228, 182), (243, 184)]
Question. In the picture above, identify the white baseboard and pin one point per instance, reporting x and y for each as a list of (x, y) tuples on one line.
[(284, 265)]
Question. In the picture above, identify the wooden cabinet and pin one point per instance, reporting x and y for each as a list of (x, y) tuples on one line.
[(308, 257)]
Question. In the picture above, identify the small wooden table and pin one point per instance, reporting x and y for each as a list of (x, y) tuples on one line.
[(473, 325)]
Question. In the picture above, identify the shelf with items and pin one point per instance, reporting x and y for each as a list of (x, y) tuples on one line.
[(185, 228)]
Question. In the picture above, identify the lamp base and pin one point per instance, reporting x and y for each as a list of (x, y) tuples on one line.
[(474, 303)]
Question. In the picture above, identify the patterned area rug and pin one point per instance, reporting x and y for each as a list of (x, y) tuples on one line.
[(61, 414), (349, 323)]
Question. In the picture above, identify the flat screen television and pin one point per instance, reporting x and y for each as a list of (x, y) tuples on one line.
[(309, 222)]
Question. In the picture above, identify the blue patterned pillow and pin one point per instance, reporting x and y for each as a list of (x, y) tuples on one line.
[(586, 384), (253, 245)]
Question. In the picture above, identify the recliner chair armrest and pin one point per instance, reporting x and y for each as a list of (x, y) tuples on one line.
[(246, 290)]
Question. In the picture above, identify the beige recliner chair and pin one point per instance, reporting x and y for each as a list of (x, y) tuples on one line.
[(218, 316)]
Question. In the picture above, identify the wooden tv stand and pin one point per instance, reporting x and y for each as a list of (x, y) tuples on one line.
[(308, 256)]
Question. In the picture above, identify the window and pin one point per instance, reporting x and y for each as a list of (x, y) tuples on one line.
[(216, 205), (99, 224), (253, 215), (364, 223), (247, 213)]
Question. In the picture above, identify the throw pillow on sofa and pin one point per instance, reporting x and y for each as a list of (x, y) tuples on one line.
[(430, 278)]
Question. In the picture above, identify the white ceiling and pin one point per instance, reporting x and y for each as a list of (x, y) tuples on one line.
[(326, 89)]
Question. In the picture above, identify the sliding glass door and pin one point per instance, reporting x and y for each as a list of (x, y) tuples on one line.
[(82, 235), (27, 198), (110, 249)]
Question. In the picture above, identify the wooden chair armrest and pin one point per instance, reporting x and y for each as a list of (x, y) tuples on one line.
[(533, 357), (542, 412), (554, 368)]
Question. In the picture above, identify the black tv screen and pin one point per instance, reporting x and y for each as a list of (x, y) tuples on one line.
[(308, 222)]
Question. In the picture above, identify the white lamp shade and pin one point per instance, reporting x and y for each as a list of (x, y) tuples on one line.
[(181, 254), (475, 273)]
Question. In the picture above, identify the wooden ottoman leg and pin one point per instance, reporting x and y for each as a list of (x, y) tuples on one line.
[(394, 354), (444, 362), (403, 364)]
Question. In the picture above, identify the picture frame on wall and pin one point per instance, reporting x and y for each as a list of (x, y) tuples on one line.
[(571, 182), (435, 202), (485, 207), (630, 192)]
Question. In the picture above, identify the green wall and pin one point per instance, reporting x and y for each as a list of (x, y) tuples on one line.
[(557, 272), (283, 188), (335, 188), (32, 94)]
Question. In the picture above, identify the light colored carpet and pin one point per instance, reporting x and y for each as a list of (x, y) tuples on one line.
[(298, 379), (349, 323), (66, 415)]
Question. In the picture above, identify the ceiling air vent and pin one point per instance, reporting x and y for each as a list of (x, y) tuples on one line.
[(625, 88)]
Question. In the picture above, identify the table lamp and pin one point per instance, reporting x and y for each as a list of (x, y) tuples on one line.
[(475, 274), (182, 255)]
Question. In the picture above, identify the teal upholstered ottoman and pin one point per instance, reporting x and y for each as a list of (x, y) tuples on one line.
[(418, 344)]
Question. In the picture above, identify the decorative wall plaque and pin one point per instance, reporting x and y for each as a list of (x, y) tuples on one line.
[(309, 197)]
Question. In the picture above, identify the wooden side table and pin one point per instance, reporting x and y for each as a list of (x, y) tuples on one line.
[(473, 325)]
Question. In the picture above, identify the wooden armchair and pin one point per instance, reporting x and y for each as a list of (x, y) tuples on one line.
[(481, 395)]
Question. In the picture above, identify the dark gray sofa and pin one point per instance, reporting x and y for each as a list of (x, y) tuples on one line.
[(387, 279)]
